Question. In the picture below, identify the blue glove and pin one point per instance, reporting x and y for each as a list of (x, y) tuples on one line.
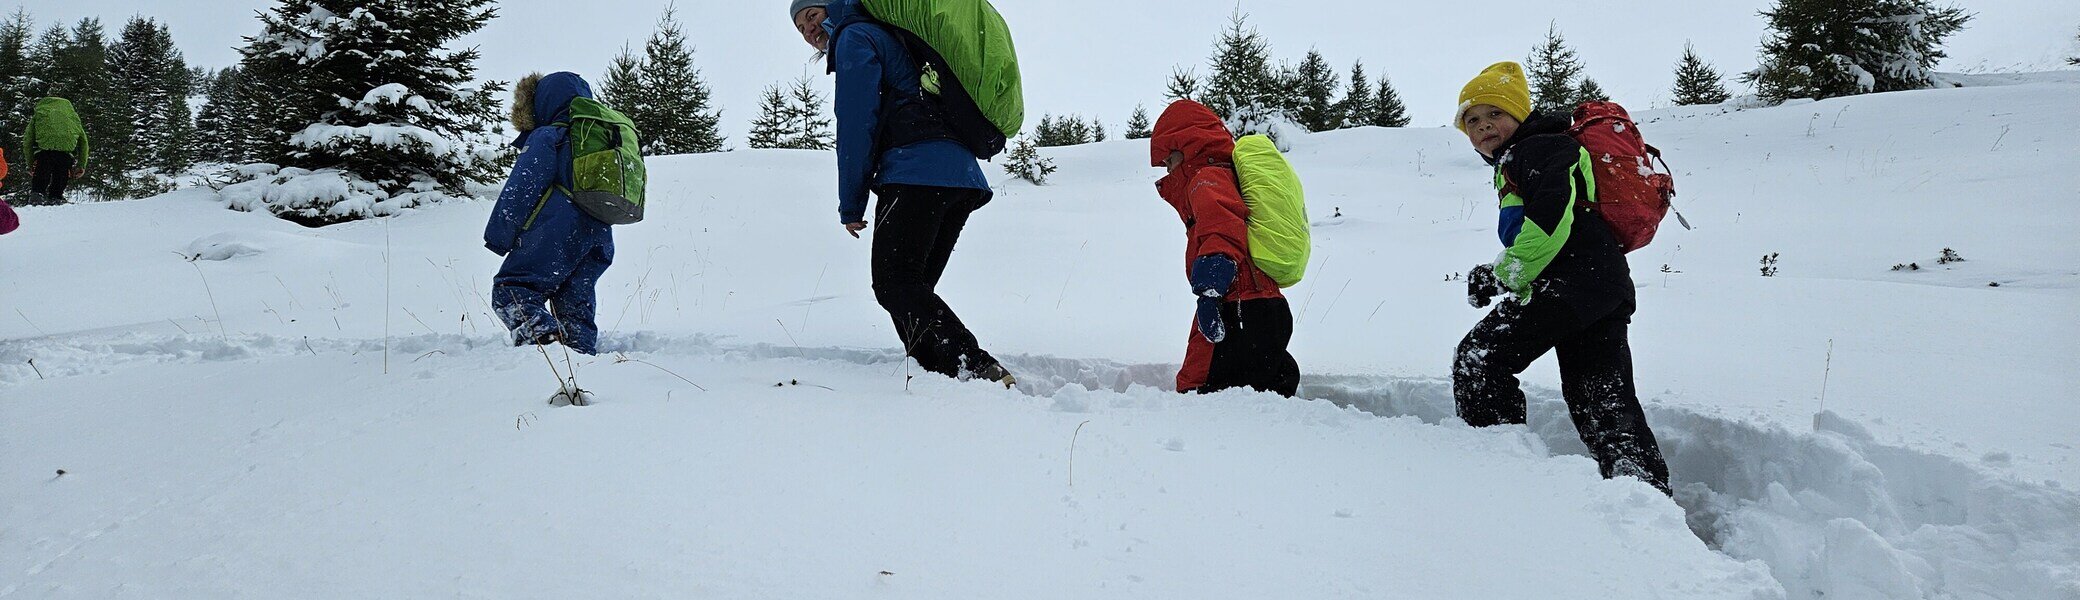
[(1212, 275)]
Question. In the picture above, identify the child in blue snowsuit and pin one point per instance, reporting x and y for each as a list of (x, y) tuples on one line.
[(555, 253)]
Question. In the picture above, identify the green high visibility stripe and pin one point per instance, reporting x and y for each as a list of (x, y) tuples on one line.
[(1535, 248)]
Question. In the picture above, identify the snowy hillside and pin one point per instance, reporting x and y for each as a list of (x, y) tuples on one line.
[(243, 408)]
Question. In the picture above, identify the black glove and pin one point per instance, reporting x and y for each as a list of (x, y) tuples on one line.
[(1481, 286)]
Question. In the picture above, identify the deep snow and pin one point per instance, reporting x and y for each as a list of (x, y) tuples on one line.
[(329, 412)]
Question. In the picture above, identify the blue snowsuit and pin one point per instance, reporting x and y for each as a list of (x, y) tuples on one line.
[(555, 253)]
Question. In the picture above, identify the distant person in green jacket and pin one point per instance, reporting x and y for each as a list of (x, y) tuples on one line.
[(56, 144)]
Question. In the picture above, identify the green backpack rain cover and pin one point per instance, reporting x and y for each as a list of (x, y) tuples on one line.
[(1278, 237), (607, 172), (976, 44)]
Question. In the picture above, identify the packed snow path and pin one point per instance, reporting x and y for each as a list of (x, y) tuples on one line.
[(245, 408)]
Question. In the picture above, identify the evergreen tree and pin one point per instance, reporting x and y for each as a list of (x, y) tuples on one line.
[(1138, 126), (1184, 85), (372, 90), (1316, 91), (792, 118), (1387, 108), (1356, 107), (218, 128), (679, 113), (153, 80), (812, 128), (1281, 93), (622, 88), (1553, 69), (44, 57), (1024, 162), (1589, 92), (1831, 48), (774, 124), (1097, 130), (1242, 73), (17, 89), (1058, 131), (1697, 82)]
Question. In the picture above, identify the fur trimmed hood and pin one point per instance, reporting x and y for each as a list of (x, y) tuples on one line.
[(540, 100), (523, 102)]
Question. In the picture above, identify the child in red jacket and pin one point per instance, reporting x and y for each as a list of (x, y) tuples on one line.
[(1240, 334)]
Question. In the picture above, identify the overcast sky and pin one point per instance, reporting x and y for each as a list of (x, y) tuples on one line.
[(1101, 57)]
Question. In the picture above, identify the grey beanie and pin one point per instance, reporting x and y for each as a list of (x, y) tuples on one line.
[(798, 6)]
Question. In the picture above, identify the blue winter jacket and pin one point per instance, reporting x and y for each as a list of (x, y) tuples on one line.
[(524, 214), (871, 62)]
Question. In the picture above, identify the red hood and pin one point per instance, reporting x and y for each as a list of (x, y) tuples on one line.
[(1191, 128)]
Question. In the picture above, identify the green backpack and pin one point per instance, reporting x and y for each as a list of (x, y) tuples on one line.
[(607, 172), (1278, 236), (975, 44)]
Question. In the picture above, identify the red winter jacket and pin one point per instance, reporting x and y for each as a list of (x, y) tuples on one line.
[(1204, 192)]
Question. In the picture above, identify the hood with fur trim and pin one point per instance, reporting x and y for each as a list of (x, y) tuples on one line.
[(544, 99)]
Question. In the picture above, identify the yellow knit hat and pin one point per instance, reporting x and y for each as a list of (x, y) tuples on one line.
[(1502, 85)]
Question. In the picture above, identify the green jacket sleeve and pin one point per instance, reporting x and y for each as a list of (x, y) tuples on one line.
[(1550, 172)]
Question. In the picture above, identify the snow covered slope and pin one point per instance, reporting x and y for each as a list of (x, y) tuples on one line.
[(331, 413)]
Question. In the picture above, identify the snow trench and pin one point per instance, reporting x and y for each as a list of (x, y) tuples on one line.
[(1833, 512)]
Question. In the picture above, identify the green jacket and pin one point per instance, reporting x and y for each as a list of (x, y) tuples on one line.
[(55, 127), (1555, 244)]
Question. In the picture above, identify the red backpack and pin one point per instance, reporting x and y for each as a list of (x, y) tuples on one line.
[(1632, 196)]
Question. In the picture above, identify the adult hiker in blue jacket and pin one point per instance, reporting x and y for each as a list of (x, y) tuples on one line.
[(892, 141), (555, 253)]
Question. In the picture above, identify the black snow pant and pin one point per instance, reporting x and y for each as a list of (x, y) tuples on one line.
[(1253, 355), (916, 229), (53, 171), (1595, 379)]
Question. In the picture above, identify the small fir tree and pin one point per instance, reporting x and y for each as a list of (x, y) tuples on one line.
[(1138, 126), (1097, 130), (681, 117), (1315, 91), (812, 126), (1357, 106), (1242, 73), (622, 86), (1832, 48), (1553, 70), (1387, 108), (1024, 162), (1697, 82), (774, 124)]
